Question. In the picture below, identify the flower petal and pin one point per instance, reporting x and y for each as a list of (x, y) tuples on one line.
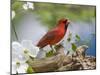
[(23, 67), (25, 6), (41, 54), (17, 51), (30, 5), (14, 68), (17, 47), (28, 45), (13, 14), (35, 51)]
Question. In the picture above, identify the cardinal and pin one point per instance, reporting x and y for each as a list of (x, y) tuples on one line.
[(53, 36)]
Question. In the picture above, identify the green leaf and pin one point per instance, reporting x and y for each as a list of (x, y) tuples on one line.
[(68, 39), (29, 70), (74, 46), (50, 53), (17, 5), (77, 37)]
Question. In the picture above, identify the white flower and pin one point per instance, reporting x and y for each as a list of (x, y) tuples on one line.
[(28, 5), (21, 52), (19, 67), (25, 6), (25, 48), (13, 14)]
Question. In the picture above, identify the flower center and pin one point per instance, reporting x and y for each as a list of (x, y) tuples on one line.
[(26, 51), (17, 63)]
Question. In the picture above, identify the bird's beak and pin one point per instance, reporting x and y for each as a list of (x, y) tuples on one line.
[(68, 22)]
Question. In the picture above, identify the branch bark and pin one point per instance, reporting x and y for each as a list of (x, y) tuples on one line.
[(62, 62)]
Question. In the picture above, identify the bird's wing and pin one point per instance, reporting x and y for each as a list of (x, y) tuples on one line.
[(50, 35), (47, 38)]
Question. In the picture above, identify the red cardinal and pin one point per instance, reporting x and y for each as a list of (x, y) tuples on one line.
[(55, 35)]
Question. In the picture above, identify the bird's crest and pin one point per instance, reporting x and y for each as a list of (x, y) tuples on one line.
[(63, 20)]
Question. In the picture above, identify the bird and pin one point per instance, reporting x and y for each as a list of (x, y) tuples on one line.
[(54, 35)]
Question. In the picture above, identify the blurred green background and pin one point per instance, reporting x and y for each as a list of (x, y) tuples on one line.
[(49, 13)]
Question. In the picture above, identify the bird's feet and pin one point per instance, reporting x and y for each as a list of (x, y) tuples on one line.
[(53, 49)]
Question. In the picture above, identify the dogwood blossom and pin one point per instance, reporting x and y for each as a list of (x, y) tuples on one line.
[(28, 5), (21, 53), (13, 14)]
